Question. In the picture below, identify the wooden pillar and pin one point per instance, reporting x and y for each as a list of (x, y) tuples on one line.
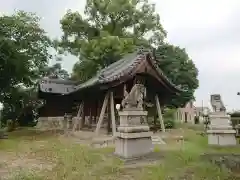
[(101, 117), (159, 112), (82, 122), (78, 117), (90, 117), (95, 112), (155, 119), (112, 107), (108, 119)]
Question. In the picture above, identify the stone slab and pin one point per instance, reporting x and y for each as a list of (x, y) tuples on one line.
[(132, 129), (147, 158), (219, 115), (157, 140), (133, 135), (220, 121), (221, 131), (221, 128), (133, 148), (132, 113), (226, 139), (53, 123)]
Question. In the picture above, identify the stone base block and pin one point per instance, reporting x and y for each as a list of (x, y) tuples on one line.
[(222, 137), (51, 123), (133, 145)]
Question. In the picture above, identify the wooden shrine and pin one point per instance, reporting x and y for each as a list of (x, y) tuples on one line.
[(99, 95)]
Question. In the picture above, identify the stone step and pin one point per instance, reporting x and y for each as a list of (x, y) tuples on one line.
[(157, 140)]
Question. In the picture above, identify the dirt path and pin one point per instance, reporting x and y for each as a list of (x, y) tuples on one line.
[(15, 163)]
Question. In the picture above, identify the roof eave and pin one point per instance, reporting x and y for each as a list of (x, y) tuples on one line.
[(172, 87)]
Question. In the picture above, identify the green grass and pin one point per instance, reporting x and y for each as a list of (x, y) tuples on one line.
[(62, 159)]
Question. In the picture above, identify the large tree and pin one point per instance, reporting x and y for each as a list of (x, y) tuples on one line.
[(111, 28), (108, 30), (180, 69), (24, 51), (56, 71)]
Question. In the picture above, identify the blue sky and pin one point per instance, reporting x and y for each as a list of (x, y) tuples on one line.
[(209, 30)]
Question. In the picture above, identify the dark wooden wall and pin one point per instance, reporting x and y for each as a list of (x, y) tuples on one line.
[(57, 105)]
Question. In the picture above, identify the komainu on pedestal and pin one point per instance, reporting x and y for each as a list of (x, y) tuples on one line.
[(133, 138), (220, 131)]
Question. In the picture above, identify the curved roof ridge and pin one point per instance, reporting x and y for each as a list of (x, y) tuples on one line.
[(126, 68), (161, 73), (118, 64)]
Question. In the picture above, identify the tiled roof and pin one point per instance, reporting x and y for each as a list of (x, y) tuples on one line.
[(114, 71), (123, 67)]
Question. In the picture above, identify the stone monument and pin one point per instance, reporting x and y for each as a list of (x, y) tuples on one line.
[(133, 138), (220, 129)]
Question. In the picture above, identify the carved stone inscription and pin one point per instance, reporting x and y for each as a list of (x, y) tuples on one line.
[(136, 120), (133, 120)]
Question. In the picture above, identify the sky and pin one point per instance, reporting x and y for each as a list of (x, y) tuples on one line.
[(208, 30)]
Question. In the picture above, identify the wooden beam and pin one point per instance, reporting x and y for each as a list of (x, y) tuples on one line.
[(159, 112), (112, 114), (101, 117)]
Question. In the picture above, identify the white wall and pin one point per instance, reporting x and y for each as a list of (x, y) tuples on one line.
[(56, 88)]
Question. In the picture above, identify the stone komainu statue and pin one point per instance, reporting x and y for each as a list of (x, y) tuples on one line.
[(217, 103), (134, 99)]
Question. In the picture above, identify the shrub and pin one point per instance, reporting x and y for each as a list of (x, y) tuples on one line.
[(169, 113), (168, 117), (169, 123)]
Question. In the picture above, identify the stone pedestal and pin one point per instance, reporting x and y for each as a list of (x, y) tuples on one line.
[(133, 138), (220, 130)]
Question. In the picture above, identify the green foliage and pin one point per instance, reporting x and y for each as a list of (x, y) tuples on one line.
[(169, 113), (24, 53), (169, 123), (169, 118), (113, 28), (26, 175), (108, 30), (23, 50), (180, 69), (55, 71), (21, 105), (178, 160)]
